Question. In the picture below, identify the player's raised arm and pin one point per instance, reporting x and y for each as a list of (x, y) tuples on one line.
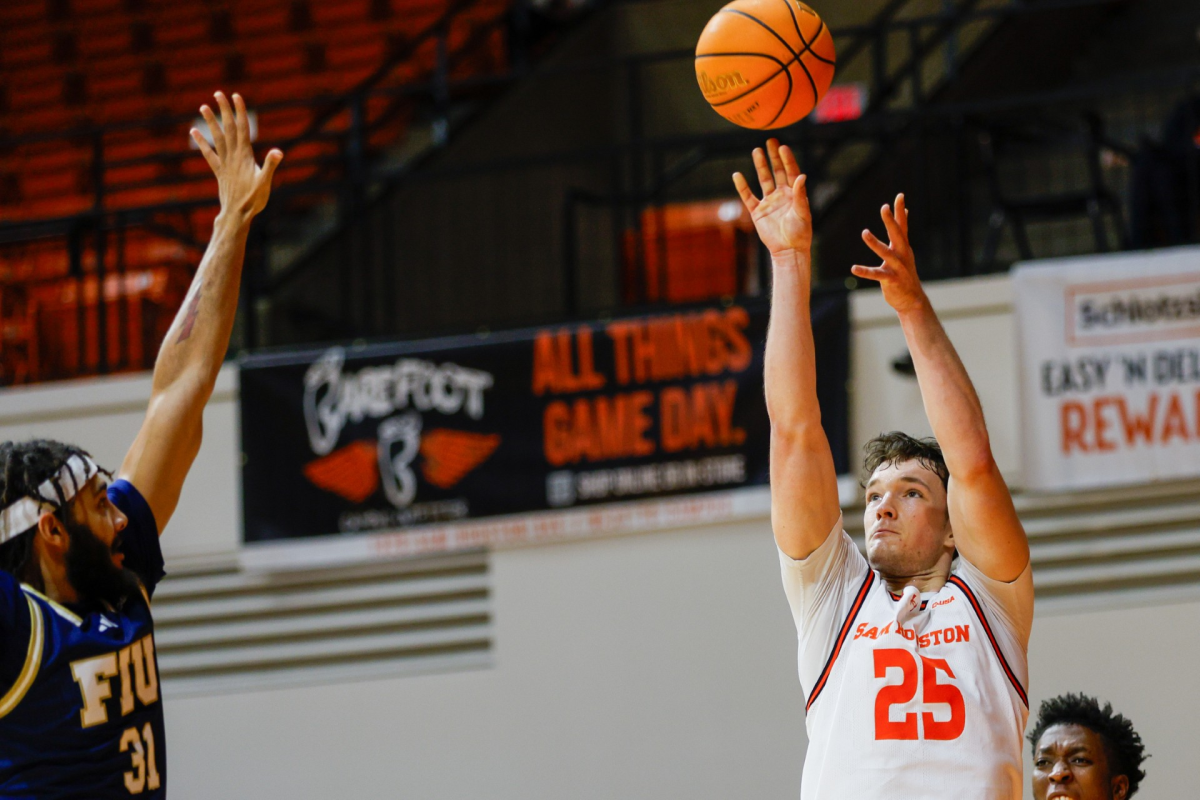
[(194, 348), (986, 529), (804, 499)]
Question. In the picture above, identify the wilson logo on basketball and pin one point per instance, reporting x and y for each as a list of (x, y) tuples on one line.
[(352, 472), (721, 83)]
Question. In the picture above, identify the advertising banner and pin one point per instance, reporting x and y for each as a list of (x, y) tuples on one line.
[(411, 447), (1109, 349)]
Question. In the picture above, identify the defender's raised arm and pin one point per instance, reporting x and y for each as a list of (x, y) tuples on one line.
[(804, 500), (986, 529), (194, 348)]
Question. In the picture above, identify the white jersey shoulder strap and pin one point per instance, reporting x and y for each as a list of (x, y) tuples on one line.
[(860, 598)]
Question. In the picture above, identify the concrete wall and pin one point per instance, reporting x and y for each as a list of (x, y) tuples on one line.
[(646, 666)]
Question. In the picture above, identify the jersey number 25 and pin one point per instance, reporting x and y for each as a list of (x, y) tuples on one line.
[(902, 693)]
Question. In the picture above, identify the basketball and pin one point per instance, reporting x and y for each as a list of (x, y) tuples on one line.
[(765, 63)]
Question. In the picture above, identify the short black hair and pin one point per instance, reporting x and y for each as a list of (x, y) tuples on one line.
[(24, 466), (895, 446), (1122, 743)]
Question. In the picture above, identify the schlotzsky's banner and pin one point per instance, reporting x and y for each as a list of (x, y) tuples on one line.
[(1110, 368), (356, 453)]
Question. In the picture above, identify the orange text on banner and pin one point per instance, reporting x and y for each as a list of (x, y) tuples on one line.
[(1105, 424), (699, 416), (597, 428), (557, 369), (680, 345)]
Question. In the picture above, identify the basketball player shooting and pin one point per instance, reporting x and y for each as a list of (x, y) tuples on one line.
[(80, 708), (913, 662)]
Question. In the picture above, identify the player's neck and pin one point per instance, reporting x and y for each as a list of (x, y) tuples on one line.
[(55, 584), (926, 582)]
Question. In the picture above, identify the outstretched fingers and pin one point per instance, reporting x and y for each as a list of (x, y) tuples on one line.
[(242, 121), (879, 248), (267, 173), (213, 160), (228, 121), (778, 172), (894, 229), (214, 130), (870, 273), (800, 197), (744, 191), (791, 167), (902, 213), (766, 179)]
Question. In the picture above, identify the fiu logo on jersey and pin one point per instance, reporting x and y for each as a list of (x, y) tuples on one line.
[(134, 664)]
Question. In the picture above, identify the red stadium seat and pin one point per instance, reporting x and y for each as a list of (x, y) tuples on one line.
[(689, 252)]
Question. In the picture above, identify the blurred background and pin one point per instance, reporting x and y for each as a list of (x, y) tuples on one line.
[(511, 192)]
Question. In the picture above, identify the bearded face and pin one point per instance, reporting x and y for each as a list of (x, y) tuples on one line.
[(92, 571)]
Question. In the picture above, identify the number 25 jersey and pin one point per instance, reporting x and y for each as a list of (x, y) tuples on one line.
[(912, 697)]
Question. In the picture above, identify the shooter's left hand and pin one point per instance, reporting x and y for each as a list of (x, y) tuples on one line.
[(897, 275)]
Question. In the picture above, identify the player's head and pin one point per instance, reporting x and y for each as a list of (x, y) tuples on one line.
[(1083, 751), (906, 520), (56, 522)]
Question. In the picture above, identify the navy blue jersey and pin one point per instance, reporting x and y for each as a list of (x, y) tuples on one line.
[(81, 714)]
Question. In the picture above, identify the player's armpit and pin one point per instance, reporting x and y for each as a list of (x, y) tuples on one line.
[(987, 530), (804, 497)]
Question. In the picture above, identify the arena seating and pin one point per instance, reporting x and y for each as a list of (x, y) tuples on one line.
[(122, 79), (689, 252)]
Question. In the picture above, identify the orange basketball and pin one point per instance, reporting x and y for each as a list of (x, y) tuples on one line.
[(765, 63)]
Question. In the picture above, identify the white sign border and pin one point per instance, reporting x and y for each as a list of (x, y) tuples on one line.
[(515, 530)]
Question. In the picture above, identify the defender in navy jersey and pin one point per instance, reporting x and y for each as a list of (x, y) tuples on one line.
[(80, 701)]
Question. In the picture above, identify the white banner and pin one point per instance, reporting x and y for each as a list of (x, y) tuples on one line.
[(1109, 354)]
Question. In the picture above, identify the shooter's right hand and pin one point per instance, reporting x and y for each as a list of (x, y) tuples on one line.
[(782, 218)]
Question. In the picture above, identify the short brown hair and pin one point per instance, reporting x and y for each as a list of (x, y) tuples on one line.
[(895, 446)]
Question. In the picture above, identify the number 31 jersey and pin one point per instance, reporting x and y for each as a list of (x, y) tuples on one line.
[(80, 707), (912, 697)]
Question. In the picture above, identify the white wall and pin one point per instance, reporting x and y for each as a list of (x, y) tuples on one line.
[(658, 666)]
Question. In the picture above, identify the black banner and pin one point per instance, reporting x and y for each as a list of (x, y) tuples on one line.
[(387, 436)]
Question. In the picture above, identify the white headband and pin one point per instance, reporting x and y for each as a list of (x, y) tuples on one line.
[(24, 514)]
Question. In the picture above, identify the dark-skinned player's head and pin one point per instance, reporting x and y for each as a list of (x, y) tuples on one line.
[(1084, 751), (906, 520), (56, 520)]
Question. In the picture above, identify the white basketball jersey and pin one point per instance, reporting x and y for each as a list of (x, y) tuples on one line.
[(907, 697)]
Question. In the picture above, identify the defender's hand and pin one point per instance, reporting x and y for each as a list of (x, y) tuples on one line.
[(782, 218), (242, 185), (897, 275)]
